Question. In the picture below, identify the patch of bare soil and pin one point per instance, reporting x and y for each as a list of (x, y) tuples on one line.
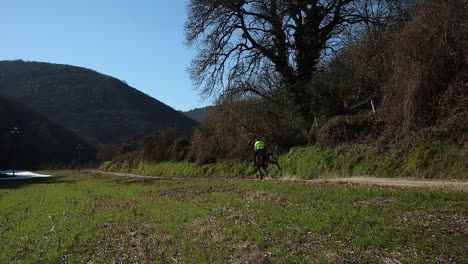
[(208, 235), (267, 196), (135, 244), (209, 228), (140, 181), (377, 201), (184, 193), (128, 175), (248, 252), (451, 223)]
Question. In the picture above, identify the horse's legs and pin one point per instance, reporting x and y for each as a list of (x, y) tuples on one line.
[(277, 164), (259, 170)]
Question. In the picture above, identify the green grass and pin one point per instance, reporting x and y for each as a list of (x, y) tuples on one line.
[(425, 160), (228, 169), (83, 217), (437, 159)]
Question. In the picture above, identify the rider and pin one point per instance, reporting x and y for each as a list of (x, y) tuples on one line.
[(259, 148)]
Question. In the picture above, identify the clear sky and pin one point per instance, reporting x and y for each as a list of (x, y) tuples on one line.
[(139, 41)]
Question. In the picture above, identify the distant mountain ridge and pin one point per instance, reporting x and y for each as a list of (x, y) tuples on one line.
[(200, 114), (98, 107)]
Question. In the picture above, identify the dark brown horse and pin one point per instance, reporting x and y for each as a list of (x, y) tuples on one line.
[(262, 161)]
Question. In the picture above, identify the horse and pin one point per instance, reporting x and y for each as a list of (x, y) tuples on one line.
[(262, 161)]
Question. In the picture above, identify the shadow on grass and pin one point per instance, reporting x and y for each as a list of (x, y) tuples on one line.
[(16, 184)]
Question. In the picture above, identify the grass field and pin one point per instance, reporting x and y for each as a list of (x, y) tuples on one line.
[(85, 217)]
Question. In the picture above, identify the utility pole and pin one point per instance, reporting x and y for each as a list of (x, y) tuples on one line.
[(79, 148), (15, 132)]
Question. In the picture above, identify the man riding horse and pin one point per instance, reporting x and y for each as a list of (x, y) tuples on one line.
[(259, 148), (262, 159)]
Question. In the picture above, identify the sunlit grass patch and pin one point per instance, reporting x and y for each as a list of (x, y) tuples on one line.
[(86, 217)]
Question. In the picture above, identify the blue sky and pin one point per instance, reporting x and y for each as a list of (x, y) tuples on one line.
[(139, 41)]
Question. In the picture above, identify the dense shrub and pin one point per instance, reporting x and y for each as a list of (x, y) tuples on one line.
[(166, 144), (428, 66), (179, 149), (222, 137), (350, 129), (106, 152), (232, 130), (356, 74), (159, 146)]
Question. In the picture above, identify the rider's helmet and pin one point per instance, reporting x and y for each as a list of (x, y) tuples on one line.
[(259, 145)]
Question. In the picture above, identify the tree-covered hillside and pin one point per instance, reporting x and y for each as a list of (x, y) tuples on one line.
[(95, 106), (41, 143), (200, 114)]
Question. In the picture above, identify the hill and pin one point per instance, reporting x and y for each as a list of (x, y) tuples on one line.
[(95, 106), (41, 143), (200, 114)]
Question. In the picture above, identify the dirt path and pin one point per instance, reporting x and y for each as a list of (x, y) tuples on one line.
[(126, 174), (449, 185)]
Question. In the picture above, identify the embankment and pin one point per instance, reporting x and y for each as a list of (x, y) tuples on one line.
[(430, 160)]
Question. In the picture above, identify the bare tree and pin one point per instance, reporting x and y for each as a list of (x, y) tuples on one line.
[(241, 41)]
